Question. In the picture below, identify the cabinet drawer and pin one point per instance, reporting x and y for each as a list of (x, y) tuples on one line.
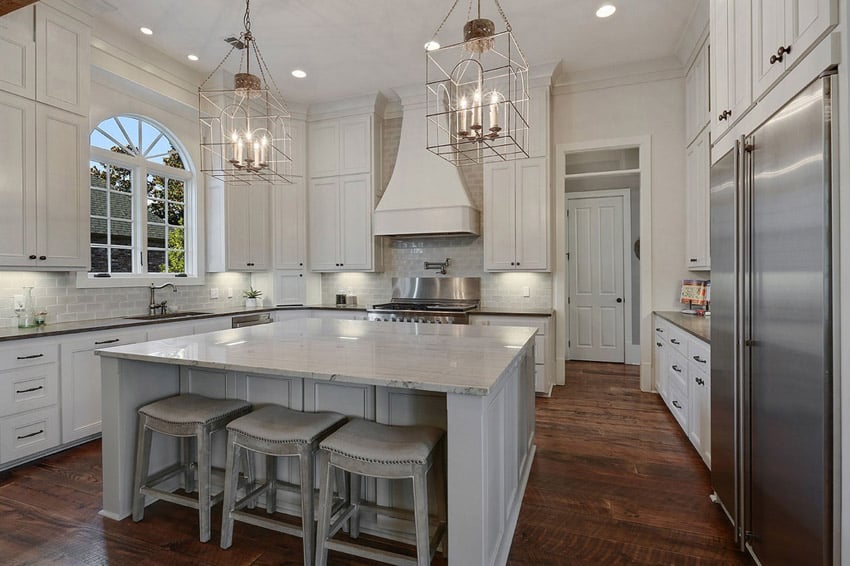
[(677, 370), (677, 401), (662, 328), (28, 388), (27, 433), (678, 340), (699, 353), (534, 322), (28, 355)]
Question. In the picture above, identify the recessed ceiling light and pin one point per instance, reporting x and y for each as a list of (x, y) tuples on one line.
[(299, 74), (432, 46), (605, 10), (191, 57), (146, 31)]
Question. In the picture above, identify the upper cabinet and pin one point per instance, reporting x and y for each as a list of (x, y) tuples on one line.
[(516, 213), (538, 122), (731, 45), (289, 209), (697, 202), (340, 146), (696, 96), (62, 60), (17, 53), (783, 32), (247, 227)]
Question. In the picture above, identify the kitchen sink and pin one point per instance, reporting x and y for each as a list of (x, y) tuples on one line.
[(180, 314)]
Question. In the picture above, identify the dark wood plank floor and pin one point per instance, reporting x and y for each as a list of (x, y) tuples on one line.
[(614, 482)]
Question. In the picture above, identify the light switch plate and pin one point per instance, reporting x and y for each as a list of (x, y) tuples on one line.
[(526, 291), (213, 293)]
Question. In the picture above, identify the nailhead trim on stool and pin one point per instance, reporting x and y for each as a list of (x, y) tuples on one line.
[(368, 448), (276, 431), (189, 417)]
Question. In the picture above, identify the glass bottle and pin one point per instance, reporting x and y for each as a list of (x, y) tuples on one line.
[(26, 316)]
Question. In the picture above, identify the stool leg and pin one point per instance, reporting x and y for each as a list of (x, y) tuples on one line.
[(440, 481), (308, 527), (143, 455), (204, 441), (354, 492), (271, 481), (342, 480), (420, 511), (231, 485), (325, 508), (248, 473), (186, 460)]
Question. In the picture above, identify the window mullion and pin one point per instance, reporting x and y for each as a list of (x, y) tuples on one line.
[(140, 189)]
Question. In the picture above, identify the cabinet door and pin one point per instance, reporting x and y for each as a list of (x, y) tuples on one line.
[(323, 152), (532, 215), (80, 378), (288, 204), (740, 46), (324, 224), (538, 122), (289, 288), (298, 131), (62, 196), (237, 220), (62, 60), (660, 367), (17, 181), (696, 90), (258, 227), (699, 413), (768, 36), (355, 145), (806, 21), (721, 73), (500, 216), (356, 213), (17, 53), (697, 197)]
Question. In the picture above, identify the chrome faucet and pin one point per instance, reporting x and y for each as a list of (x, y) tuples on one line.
[(154, 306)]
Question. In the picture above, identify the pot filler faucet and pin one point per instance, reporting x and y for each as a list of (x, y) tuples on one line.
[(154, 306)]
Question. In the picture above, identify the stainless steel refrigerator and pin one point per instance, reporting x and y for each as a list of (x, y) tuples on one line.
[(771, 333)]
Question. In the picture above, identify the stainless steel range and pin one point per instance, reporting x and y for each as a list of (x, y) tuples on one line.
[(433, 300)]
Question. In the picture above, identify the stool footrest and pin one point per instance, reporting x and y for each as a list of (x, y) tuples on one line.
[(177, 498), (371, 553), (259, 521)]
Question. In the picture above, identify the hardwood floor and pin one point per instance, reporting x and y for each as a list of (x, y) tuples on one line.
[(614, 481)]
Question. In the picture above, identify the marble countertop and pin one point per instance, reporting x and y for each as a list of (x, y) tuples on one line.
[(699, 326), (461, 359)]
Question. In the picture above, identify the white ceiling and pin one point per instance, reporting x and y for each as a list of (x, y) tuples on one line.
[(354, 47)]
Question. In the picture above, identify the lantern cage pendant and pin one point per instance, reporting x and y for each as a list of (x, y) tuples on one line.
[(477, 94), (245, 130)]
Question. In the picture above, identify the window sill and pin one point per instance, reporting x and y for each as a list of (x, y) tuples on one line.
[(84, 281)]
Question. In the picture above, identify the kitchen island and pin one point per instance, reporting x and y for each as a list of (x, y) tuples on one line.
[(475, 382)]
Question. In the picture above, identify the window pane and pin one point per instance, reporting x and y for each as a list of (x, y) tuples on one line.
[(122, 260), (121, 206), (156, 261), (176, 262), (175, 190), (99, 262), (175, 214), (156, 236), (156, 211), (121, 233), (175, 239), (98, 202), (98, 231), (173, 159), (98, 174), (149, 135), (120, 179), (131, 127), (156, 186)]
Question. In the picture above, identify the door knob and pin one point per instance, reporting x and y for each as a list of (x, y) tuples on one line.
[(619, 300)]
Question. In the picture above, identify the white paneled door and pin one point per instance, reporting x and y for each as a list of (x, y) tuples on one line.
[(596, 295)]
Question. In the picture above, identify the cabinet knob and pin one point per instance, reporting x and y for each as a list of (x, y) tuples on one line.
[(300, 275), (517, 264), (783, 49), (300, 265), (619, 300), (42, 257), (33, 256), (512, 263)]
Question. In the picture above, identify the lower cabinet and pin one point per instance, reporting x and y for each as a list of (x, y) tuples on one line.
[(682, 373), (544, 344)]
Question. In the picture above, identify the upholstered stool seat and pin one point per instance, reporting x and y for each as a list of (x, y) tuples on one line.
[(191, 418), (276, 431), (368, 448)]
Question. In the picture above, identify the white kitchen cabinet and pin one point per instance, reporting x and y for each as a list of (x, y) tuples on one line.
[(247, 227), (731, 62), (341, 224), (696, 95), (538, 122), (290, 288), (44, 186), (783, 32), (697, 239), (544, 344), (204, 325), (289, 208), (81, 385), (340, 146), (516, 216), (660, 363), (164, 331), (298, 131), (699, 398), (17, 53), (62, 60), (29, 376)]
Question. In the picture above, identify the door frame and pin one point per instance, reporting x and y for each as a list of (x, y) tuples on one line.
[(559, 283), (631, 352)]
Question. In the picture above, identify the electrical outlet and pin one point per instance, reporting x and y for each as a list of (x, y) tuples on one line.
[(18, 302), (230, 292), (213, 293), (526, 291)]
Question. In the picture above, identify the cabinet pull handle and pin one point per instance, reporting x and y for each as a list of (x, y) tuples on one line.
[(674, 341), (677, 369), (658, 344), (677, 405), (32, 357), (694, 260), (30, 435), (30, 390), (661, 330), (700, 360), (110, 341)]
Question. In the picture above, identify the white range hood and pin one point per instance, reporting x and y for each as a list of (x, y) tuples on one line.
[(426, 194)]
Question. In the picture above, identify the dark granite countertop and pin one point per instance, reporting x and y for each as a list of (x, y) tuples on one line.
[(699, 326)]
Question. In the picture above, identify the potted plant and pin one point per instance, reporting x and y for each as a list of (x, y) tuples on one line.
[(253, 297)]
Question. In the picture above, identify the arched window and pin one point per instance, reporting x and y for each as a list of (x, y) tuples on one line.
[(141, 201)]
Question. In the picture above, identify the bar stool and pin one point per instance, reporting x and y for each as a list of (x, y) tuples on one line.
[(368, 448), (189, 417), (275, 431)]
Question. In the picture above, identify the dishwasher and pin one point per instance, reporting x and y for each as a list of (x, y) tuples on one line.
[(252, 319)]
